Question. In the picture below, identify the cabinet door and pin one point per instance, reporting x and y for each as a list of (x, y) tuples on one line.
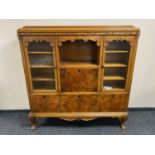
[(104, 102), (45, 103), (38, 103), (119, 102), (79, 80), (52, 103), (40, 57), (69, 103), (79, 103), (88, 103), (113, 102), (116, 62)]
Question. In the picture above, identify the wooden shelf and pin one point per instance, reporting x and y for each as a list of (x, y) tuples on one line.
[(43, 66), (117, 51), (115, 65), (43, 79), (39, 52), (78, 64), (45, 91), (114, 89), (113, 78)]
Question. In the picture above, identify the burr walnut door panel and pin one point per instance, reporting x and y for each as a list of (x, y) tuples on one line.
[(79, 103), (104, 102), (79, 80), (88, 103), (113, 102), (38, 103), (69, 103), (45, 103), (119, 102), (52, 103)]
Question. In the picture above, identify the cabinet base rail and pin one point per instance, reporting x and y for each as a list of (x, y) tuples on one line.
[(86, 116)]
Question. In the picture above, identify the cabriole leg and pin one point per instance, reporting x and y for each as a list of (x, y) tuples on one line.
[(33, 123), (123, 123)]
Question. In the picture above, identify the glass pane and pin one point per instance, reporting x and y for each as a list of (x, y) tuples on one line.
[(117, 58), (41, 59), (114, 85), (44, 85), (42, 73), (115, 71)]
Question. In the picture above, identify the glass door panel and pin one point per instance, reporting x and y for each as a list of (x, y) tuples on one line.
[(42, 65), (116, 64)]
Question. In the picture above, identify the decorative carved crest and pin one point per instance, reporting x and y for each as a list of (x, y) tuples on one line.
[(130, 40), (37, 39), (84, 38)]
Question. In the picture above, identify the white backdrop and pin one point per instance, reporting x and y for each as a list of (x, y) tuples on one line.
[(13, 94)]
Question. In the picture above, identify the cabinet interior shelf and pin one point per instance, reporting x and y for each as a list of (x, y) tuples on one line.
[(113, 78), (78, 64), (115, 65), (117, 51), (40, 52), (43, 79), (114, 89), (41, 66)]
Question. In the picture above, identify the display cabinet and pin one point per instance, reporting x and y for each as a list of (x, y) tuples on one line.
[(78, 72)]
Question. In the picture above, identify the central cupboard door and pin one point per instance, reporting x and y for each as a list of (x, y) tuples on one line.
[(79, 103), (79, 80)]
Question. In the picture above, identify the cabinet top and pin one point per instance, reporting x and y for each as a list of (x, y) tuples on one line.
[(78, 29)]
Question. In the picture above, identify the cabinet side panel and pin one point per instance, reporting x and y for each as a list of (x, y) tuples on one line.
[(25, 67), (132, 63)]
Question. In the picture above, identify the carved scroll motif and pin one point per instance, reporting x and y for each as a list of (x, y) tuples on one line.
[(37, 39), (129, 40), (73, 39)]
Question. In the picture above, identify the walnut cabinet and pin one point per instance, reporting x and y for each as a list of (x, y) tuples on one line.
[(78, 72)]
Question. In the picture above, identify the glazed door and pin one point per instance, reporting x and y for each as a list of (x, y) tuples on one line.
[(40, 57), (116, 64)]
